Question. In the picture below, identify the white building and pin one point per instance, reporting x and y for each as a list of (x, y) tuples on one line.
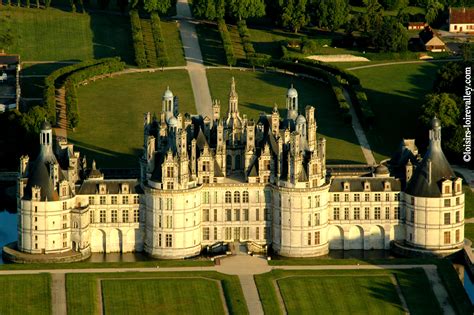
[(461, 20), (205, 180)]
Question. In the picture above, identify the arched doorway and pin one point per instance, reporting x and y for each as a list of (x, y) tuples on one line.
[(98, 241), (115, 241), (355, 239), (376, 238), (336, 237)]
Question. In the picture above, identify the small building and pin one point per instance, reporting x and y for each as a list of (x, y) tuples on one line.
[(431, 41), (9, 81), (461, 20), (416, 26)]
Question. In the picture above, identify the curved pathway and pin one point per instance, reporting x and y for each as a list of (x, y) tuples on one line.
[(194, 60), (401, 63)]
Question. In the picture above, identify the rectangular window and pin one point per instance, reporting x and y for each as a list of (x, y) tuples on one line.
[(206, 166), (170, 172), (160, 223), (215, 197), (215, 215), (136, 199), (102, 216), (237, 214), (169, 221), (257, 196), (205, 197), (169, 240), (246, 214), (447, 202), (397, 213), (346, 197), (309, 238), (205, 234), (457, 201), (412, 216), (246, 231), (387, 197), (447, 237), (91, 200), (309, 202), (266, 233), (257, 233), (113, 200), (397, 197), (257, 214), (125, 200), (447, 218), (228, 233), (317, 220), (377, 213), (205, 215), (91, 213), (159, 240), (336, 197), (317, 238), (366, 197), (357, 213), (215, 233), (458, 217), (357, 197), (113, 216), (458, 236), (309, 219), (335, 214), (136, 215), (169, 204), (124, 216), (387, 213), (377, 197), (102, 200), (64, 205), (346, 213), (268, 214), (228, 215), (367, 213)]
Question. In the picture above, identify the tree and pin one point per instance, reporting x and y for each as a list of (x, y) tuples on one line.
[(244, 9), (450, 79), (331, 14), (391, 37), (373, 18), (433, 7), (466, 51), (160, 6), (442, 106), (294, 15)]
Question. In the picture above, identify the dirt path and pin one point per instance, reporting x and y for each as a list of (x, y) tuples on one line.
[(58, 293), (400, 63)]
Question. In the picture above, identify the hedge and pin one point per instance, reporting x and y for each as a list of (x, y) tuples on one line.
[(109, 65), (360, 99), (253, 58), (226, 40), (49, 92), (161, 55), (138, 43)]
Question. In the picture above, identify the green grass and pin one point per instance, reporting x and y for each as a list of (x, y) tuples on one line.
[(95, 265), (81, 290), (469, 231), (169, 296), (347, 291), (25, 294), (174, 47), (258, 92), (57, 35), (396, 94), (211, 44), (468, 201), (111, 114)]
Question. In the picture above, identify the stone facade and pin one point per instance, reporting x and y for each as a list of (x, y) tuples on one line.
[(204, 180)]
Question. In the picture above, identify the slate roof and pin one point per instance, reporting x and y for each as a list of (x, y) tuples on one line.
[(91, 187), (357, 184), (461, 15)]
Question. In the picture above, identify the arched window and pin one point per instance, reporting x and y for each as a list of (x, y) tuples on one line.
[(228, 197), (245, 196), (237, 197)]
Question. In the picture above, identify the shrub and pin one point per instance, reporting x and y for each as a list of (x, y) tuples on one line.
[(161, 55), (259, 60), (308, 46), (227, 42), (138, 43)]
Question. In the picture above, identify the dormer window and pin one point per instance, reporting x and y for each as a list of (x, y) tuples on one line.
[(386, 185), (102, 189), (125, 189), (366, 186), (347, 186)]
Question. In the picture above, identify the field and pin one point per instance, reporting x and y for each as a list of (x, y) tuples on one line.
[(258, 92), (347, 291), (25, 294), (53, 34), (82, 293), (174, 47), (111, 114), (396, 93), (469, 231), (151, 295)]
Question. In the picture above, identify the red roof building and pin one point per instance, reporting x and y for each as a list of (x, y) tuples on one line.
[(461, 20)]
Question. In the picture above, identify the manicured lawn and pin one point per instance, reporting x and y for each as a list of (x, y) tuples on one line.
[(167, 296), (396, 93), (25, 294), (54, 34), (347, 291), (469, 231), (258, 92), (211, 44), (468, 201), (81, 290), (174, 47), (111, 114)]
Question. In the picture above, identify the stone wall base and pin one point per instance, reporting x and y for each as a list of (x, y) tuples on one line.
[(10, 253), (402, 249)]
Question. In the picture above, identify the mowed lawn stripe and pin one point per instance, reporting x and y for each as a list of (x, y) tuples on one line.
[(25, 294), (340, 295)]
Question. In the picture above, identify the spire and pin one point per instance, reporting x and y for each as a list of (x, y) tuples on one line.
[(435, 132), (233, 93), (233, 98)]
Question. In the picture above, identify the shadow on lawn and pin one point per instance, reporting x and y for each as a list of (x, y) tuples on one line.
[(386, 292), (106, 158), (211, 44)]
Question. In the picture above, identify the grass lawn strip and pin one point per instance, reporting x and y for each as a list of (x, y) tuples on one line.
[(414, 285), (82, 292), (103, 285), (295, 304), (25, 294)]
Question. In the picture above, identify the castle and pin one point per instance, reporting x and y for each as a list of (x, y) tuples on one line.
[(209, 179)]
